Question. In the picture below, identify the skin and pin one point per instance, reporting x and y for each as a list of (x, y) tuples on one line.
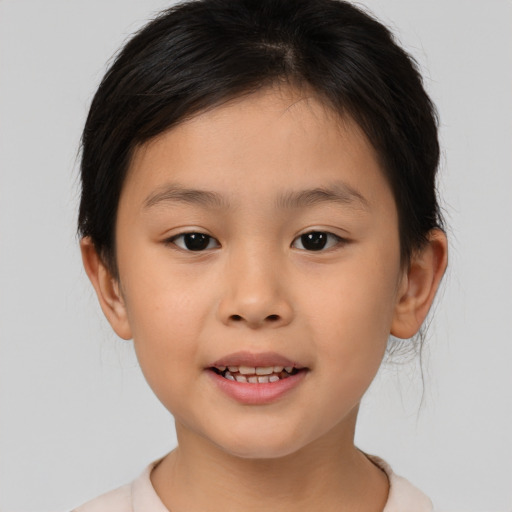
[(256, 288)]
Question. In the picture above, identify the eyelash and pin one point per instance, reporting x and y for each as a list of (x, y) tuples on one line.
[(183, 247), (336, 240), (321, 240)]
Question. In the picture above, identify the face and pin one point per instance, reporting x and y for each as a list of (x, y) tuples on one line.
[(259, 241)]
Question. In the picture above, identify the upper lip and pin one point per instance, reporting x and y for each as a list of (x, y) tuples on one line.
[(251, 359)]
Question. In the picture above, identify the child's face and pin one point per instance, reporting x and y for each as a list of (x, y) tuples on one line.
[(255, 175)]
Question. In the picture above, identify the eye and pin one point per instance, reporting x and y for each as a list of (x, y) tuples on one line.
[(316, 241), (194, 241)]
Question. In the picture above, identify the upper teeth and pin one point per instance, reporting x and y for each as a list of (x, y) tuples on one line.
[(257, 370)]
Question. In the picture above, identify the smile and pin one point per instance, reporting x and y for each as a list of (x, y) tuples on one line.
[(256, 379), (255, 374)]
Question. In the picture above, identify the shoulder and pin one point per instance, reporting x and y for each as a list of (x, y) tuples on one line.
[(403, 496), (139, 496), (117, 500)]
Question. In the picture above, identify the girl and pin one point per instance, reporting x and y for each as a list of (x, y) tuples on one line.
[(259, 214)]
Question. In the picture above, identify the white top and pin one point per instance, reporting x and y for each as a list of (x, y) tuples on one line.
[(140, 496)]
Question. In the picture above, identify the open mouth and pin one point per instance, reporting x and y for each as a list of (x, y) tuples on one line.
[(256, 375)]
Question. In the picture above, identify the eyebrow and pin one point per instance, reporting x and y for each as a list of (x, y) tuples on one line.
[(176, 193), (338, 193)]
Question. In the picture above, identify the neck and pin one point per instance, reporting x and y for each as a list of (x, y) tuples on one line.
[(330, 474)]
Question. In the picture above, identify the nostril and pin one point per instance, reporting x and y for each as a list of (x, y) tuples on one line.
[(269, 318)]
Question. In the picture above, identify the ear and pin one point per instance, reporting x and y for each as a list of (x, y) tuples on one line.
[(107, 289), (419, 285)]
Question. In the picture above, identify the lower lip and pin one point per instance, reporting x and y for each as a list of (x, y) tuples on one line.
[(257, 394)]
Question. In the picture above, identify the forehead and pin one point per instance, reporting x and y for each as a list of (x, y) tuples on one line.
[(279, 136)]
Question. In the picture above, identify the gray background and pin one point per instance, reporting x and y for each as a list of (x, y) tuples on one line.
[(76, 416)]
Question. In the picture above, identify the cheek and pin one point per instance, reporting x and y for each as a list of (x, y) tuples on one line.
[(350, 321), (353, 308), (166, 311)]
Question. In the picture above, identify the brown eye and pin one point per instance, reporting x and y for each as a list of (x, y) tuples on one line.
[(316, 241), (194, 241)]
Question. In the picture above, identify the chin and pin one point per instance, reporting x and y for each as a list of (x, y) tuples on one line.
[(260, 452), (261, 446)]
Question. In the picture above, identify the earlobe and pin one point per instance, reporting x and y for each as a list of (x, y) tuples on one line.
[(419, 285), (107, 289)]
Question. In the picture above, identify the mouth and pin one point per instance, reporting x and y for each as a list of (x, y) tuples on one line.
[(256, 379), (256, 374)]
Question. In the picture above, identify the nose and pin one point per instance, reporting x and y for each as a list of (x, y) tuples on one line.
[(255, 292)]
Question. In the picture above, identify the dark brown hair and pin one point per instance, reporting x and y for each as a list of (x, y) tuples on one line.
[(201, 53)]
